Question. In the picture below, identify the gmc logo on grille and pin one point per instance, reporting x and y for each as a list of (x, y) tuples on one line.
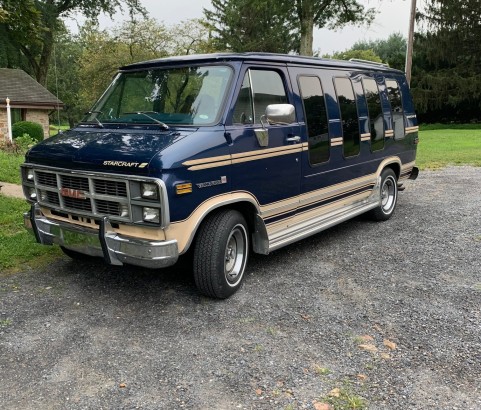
[(72, 193)]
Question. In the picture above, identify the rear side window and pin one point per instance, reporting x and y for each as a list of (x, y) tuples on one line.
[(260, 88), (396, 108), (316, 118), (376, 118), (349, 117)]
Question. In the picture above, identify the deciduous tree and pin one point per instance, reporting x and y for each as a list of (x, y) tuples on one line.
[(30, 25), (279, 26)]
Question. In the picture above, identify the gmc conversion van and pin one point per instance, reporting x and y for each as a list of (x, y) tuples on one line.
[(224, 154)]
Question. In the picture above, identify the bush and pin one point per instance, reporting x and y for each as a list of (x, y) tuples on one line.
[(24, 143), (35, 130)]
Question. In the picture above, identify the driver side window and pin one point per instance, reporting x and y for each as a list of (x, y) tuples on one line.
[(259, 89)]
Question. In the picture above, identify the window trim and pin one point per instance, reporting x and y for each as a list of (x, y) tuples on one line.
[(340, 115), (369, 113), (317, 164)]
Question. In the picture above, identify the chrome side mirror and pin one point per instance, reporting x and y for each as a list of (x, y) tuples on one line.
[(281, 114), (276, 114)]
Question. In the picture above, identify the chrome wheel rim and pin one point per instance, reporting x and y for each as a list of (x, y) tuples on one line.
[(388, 195), (235, 255)]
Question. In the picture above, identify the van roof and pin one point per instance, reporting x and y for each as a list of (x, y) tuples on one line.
[(261, 57)]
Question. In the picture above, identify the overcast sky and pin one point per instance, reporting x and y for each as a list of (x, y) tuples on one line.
[(393, 17)]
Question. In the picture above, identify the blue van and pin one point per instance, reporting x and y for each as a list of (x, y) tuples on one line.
[(222, 154)]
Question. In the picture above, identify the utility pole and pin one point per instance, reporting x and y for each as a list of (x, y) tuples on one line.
[(409, 51)]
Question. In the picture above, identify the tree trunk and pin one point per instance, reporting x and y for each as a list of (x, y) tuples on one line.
[(306, 20), (42, 68)]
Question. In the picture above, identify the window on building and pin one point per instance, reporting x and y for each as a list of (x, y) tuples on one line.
[(316, 118), (17, 114), (396, 108), (349, 116), (376, 118)]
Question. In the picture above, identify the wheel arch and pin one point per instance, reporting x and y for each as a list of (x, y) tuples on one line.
[(394, 163), (185, 231)]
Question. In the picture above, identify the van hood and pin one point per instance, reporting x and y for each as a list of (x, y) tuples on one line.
[(120, 151)]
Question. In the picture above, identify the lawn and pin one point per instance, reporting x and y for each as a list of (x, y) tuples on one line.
[(18, 247), (442, 145), (10, 167)]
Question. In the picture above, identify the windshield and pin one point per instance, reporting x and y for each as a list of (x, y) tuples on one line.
[(176, 96)]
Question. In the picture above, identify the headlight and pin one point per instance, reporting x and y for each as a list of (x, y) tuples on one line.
[(124, 211), (149, 191), (151, 215), (32, 194), (29, 173)]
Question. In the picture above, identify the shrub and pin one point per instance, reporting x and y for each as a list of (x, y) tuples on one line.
[(24, 143), (34, 129)]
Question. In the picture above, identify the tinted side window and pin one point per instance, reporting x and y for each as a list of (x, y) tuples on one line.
[(376, 118), (316, 118), (262, 87), (396, 108), (349, 117)]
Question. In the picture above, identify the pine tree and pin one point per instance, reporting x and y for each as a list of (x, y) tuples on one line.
[(447, 63)]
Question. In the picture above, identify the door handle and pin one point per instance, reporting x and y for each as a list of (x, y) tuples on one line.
[(295, 139)]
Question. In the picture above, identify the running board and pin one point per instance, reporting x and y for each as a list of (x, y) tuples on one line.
[(325, 221)]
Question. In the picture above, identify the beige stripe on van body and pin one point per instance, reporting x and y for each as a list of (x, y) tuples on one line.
[(336, 141), (389, 133), (410, 130), (223, 160), (366, 136)]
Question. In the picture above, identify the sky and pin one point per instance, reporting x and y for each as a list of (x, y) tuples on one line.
[(393, 17)]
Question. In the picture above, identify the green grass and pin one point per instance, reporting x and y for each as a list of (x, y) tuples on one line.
[(10, 167), (17, 246), (443, 145), (54, 129)]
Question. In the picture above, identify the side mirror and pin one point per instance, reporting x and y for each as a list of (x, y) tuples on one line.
[(281, 114), (276, 114)]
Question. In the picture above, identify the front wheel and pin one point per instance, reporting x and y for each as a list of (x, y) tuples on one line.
[(388, 198), (220, 254)]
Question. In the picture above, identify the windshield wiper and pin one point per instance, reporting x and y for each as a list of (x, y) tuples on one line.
[(95, 118), (146, 114)]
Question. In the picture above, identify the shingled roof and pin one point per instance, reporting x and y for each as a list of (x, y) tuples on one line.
[(23, 90)]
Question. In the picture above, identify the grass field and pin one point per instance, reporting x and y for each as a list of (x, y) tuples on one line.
[(10, 167), (18, 247), (442, 145)]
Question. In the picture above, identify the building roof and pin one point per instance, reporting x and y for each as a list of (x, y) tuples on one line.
[(23, 90)]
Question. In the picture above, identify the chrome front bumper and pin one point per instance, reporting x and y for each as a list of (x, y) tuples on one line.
[(116, 249)]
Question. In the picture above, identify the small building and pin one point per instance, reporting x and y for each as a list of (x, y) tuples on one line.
[(29, 101)]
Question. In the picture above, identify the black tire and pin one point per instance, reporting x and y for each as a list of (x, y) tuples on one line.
[(220, 254), (388, 193)]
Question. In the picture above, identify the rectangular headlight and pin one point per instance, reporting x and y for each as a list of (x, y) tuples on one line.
[(151, 215), (29, 174), (149, 190)]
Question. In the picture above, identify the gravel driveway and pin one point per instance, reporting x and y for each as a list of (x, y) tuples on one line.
[(385, 314)]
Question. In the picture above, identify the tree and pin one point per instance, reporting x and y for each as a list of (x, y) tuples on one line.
[(31, 25), (252, 25), (368, 55), (391, 51), (64, 77), (447, 61), (279, 26)]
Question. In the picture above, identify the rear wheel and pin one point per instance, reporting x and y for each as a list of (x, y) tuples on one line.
[(220, 254), (388, 198)]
